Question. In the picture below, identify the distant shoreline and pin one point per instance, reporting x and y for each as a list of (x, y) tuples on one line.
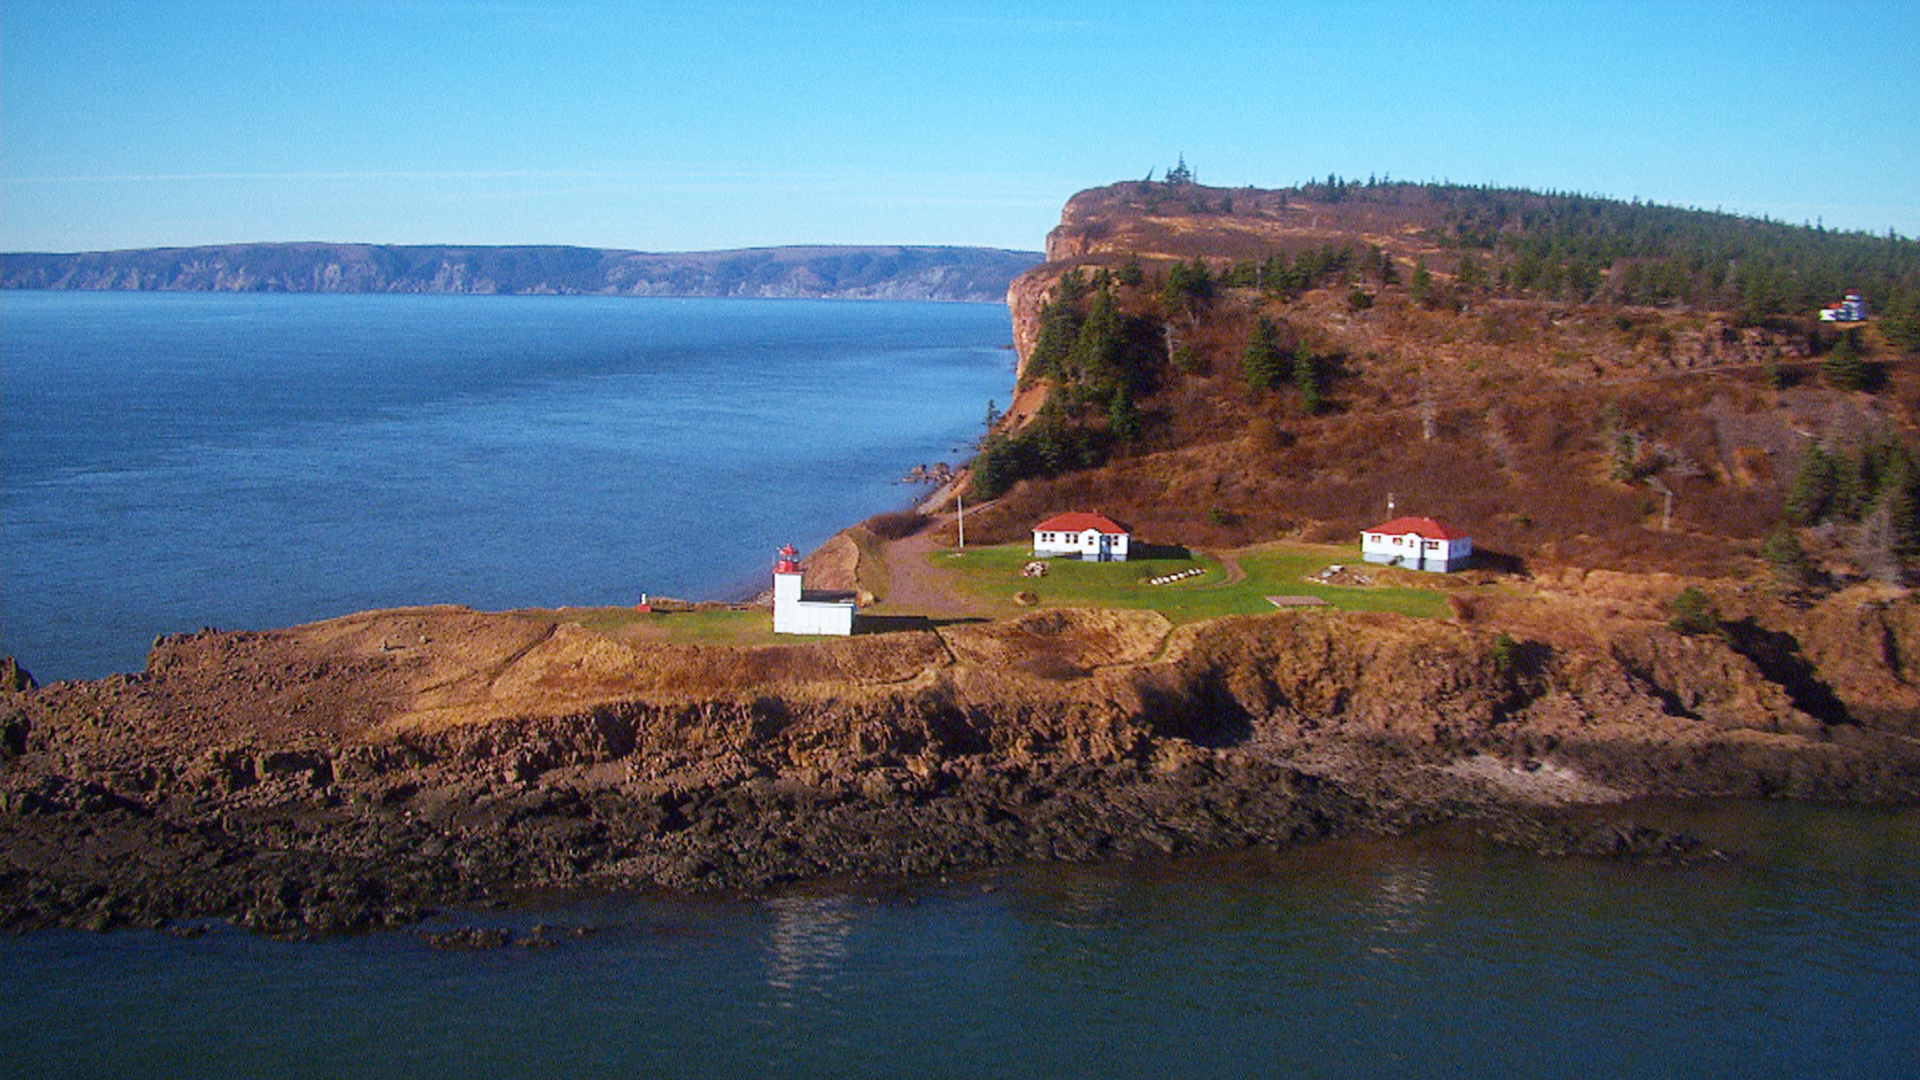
[(902, 272)]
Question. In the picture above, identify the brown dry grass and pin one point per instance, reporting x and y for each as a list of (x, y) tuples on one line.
[(1500, 419)]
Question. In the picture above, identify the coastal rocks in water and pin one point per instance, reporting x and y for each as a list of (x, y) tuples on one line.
[(314, 780), (14, 679)]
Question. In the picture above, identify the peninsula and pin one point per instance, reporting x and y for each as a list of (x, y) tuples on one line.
[(1692, 507)]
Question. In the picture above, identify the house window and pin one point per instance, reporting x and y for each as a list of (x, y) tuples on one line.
[(1433, 545)]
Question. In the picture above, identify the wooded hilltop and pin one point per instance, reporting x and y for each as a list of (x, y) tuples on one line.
[(1573, 380)]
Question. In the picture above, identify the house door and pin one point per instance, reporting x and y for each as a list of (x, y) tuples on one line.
[(1106, 548)]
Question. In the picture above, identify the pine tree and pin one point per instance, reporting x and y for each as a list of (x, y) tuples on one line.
[(1846, 368), (1900, 495), (1189, 287), (1306, 378), (1123, 417), (1059, 328), (1810, 495), (1783, 552), (1265, 365), (1854, 484), (1421, 286), (1096, 355), (1900, 321)]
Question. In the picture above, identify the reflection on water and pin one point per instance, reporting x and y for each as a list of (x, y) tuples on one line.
[(1417, 957), (1401, 895), (808, 945)]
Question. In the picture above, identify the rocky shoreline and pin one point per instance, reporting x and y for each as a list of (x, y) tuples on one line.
[(358, 773)]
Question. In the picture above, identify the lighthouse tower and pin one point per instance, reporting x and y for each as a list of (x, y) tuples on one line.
[(787, 580), (797, 612)]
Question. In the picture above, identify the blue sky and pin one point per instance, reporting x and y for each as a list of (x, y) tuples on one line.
[(683, 126)]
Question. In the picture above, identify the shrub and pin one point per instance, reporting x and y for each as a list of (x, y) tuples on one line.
[(896, 525), (1783, 552), (1506, 654), (1693, 613)]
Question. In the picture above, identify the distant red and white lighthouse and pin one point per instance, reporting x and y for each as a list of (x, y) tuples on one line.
[(795, 612)]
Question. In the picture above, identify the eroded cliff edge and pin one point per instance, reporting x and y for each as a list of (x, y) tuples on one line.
[(356, 772)]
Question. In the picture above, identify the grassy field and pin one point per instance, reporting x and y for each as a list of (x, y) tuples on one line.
[(684, 627), (992, 576)]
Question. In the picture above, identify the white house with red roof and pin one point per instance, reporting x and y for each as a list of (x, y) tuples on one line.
[(1080, 535), (1417, 543)]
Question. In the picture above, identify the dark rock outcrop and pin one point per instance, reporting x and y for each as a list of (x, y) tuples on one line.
[(318, 779)]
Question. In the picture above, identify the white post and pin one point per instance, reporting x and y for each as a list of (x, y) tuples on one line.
[(962, 501)]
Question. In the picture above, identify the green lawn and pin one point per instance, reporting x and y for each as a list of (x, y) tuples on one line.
[(993, 576), (687, 627)]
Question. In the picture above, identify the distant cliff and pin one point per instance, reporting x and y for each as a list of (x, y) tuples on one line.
[(858, 273)]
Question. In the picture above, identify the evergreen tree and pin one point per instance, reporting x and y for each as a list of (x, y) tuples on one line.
[(1095, 359), (1783, 553), (1845, 367), (1123, 417), (1059, 329), (1900, 321), (995, 468), (1810, 495), (1900, 495), (1421, 286), (1131, 274), (1470, 274), (1071, 287), (1263, 362), (1189, 287), (1306, 378), (1854, 484)]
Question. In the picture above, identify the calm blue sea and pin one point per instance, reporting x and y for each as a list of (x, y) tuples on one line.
[(169, 462), (1416, 958), (176, 461)]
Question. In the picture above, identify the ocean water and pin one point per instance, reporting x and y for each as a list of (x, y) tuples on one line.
[(176, 461), (169, 462), (1416, 957)]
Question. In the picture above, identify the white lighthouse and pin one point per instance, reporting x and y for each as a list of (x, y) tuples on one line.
[(796, 611)]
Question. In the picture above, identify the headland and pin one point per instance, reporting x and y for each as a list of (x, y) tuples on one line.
[(1627, 463)]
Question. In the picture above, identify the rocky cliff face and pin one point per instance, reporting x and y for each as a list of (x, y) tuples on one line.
[(356, 772), (855, 273)]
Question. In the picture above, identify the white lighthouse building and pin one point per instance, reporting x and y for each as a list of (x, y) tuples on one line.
[(797, 611)]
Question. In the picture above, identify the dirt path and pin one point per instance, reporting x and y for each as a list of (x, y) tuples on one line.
[(917, 585), (1230, 568)]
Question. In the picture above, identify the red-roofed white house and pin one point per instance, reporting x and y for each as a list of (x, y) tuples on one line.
[(1418, 543), (1080, 535)]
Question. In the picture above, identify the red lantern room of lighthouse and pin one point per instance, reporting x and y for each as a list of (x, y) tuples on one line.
[(788, 562)]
